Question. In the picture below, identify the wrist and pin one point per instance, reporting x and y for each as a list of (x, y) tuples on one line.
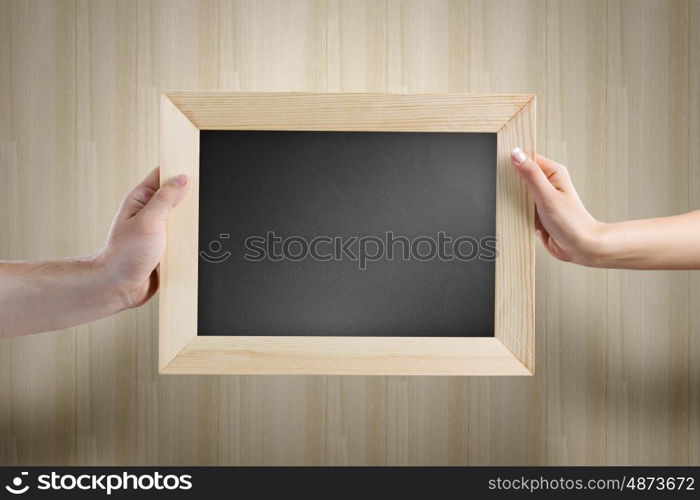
[(599, 248), (108, 286)]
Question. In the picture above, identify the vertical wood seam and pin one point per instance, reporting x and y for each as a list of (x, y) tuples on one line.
[(76, 459), (134, 315), (545, 115), (546, 330), (606, 209), (688, 206)]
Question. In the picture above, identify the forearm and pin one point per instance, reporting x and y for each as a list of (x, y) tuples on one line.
[(660, 243), (55, 294)]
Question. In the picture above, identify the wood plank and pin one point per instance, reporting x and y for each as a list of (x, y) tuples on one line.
[(346, 356), (426, 44), (179, 154), (427, 420), (106, 141), (694, 201), (577, 302), (8, 172), (348, 111), (647, 151), (356, 410), (177, 46), (507, 53), (37, 170), (356, 62), (515, 231), (275, 45), (282, 420), (356, 49)]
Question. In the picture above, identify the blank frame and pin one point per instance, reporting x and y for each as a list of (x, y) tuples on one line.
[(510, 351)]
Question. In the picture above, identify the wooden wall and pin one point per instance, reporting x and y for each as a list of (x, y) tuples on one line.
[(618, 376)]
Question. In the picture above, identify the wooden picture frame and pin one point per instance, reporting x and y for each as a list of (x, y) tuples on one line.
[(511, 351)]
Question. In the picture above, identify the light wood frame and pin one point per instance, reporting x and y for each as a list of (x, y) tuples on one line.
[(511, 351)]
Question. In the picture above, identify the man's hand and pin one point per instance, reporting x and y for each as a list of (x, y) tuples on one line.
[(48, 295), (137, 238)]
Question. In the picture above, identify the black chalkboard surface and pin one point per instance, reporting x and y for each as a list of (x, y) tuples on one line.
[(347, 233)]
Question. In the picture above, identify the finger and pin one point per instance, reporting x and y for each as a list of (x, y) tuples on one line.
[(541, 233), (548, 243), (555, 172), (139, 196), (555, 250), (163, 201), (537, 182), (538, 225), (152, 180)]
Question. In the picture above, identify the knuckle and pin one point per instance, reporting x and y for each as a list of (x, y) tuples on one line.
[(527, 167), (162, 197)]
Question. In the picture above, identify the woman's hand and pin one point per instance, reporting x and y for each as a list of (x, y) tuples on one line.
[(570, 233), (565, 227)]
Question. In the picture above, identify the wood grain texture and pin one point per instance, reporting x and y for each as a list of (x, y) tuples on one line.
[(427, 46), (347, 111), (38, 415), (357, 422), (106, 142), (345, 356), (694, 299), (428, 421), (273, 45), (647, 152), (493, 46), (514, 313), (179, 154), (507, 50), (356, 51), (576, 313)]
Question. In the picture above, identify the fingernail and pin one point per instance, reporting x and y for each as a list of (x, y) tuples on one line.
[(518, 155), (180, 180)]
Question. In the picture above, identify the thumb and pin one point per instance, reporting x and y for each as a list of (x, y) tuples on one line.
[(164, 200), (537, 182), (139, 196)]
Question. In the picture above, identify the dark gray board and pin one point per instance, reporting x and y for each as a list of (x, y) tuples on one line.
[(343, 185)]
